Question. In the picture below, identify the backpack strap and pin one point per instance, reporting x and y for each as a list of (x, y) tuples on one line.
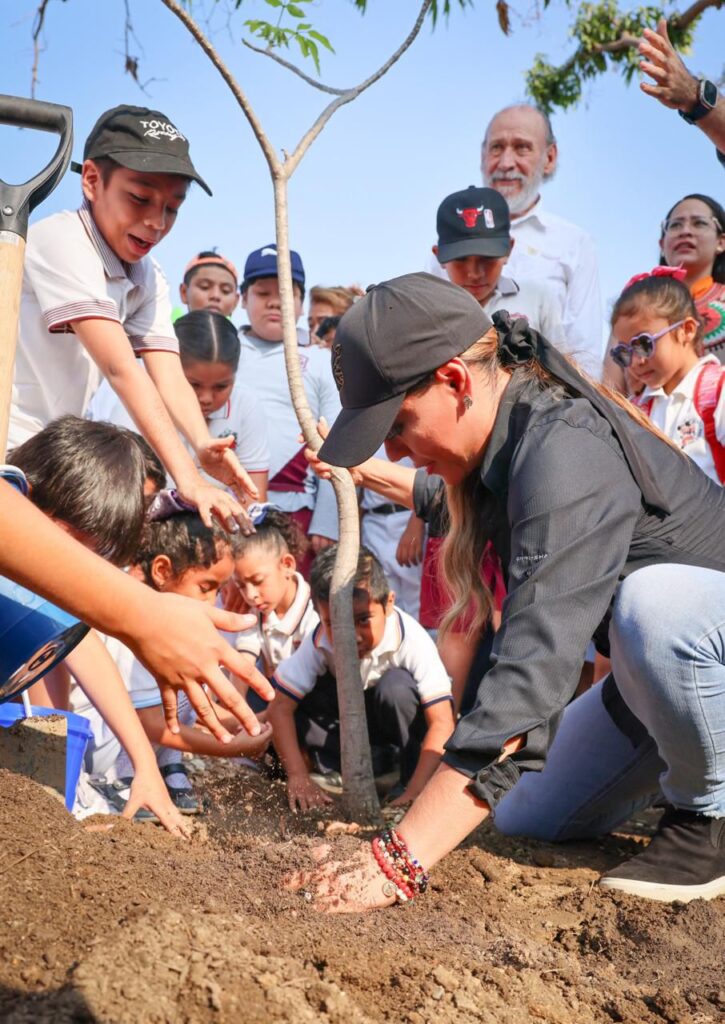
[(645, 404), (708, 389)]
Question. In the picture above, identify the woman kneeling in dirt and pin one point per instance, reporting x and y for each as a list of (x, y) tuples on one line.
[(605, 530)]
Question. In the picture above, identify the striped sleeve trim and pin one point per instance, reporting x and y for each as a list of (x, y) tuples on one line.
[(283, 687), (59, 318), (436, 700), (155, 343)]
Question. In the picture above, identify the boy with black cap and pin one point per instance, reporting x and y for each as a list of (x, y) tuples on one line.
[(292, 484), (89, 279), (474, 243)]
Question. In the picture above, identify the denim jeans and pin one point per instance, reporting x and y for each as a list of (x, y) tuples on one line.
[(668, 657)]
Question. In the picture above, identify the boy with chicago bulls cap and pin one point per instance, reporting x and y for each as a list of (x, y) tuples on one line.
[(96, 304), (474, 242)]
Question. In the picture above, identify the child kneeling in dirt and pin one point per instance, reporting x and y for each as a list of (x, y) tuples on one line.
[(407, 690), (178, 554)]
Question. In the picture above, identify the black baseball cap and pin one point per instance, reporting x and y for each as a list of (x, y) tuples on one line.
[(473, 222), (386, 343), (141, 140)]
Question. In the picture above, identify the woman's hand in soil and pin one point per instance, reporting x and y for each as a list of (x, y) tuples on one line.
[(302, 792), (148, 790), (343, 887)]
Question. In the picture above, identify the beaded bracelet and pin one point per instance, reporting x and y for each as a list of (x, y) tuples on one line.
[(393, 886), (399, 866), (411, 867)]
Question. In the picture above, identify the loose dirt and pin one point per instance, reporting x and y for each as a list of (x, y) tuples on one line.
[(130, 925)]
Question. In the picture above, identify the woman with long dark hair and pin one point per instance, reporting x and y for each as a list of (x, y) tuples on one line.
[(693, 237), (604, 529)]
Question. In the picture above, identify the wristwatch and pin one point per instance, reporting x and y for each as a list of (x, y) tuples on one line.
[(706, 100)]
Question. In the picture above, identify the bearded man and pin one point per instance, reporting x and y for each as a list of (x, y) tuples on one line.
[(518, 155)]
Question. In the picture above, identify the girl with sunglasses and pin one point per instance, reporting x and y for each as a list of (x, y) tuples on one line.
[(658, 341)]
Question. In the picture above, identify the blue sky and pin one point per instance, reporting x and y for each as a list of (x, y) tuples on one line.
[(363, 201)]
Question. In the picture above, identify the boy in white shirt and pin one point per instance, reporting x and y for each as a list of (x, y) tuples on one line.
[(93, 299), (292, 484), (474, 243), (407, 690)]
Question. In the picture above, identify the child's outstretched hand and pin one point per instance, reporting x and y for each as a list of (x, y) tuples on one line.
[(302, 792), (217, 458), (148, 790), (214, 502), (244, 745)]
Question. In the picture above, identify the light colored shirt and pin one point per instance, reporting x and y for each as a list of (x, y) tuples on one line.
[(71, 273), (278, 637), (262, 369), (676, 416), (405, 644), (242, 416), (534, 301), (558, 254)]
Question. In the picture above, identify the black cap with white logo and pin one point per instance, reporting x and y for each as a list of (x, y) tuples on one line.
[(386, 343), (473, 222), (141, 140)]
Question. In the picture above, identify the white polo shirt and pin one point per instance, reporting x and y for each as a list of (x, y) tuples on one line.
[(534, 301), (71, 273), (676, 416), (242, 417), (562, 257), (278, 638), (405, 644)]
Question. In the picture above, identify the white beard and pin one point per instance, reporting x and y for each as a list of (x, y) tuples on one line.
[(520, 201)]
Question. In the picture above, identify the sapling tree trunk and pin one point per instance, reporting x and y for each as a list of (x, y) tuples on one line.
[(359, 795)]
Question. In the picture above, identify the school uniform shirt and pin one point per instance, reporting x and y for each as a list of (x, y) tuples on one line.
[(71, 273), (562, 257), (676, 416), (405, 644), (567, 519), (241, 416), (277, 638), (534, 301), (292, 484)]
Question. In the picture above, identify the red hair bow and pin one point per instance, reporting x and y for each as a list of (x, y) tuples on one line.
[(679, 274)]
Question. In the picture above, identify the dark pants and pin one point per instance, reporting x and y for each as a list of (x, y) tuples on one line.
[(393, 711)]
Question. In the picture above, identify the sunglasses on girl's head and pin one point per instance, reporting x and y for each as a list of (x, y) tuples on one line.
[(642, 345)]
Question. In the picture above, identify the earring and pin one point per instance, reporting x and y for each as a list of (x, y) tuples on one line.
[(467, 401)]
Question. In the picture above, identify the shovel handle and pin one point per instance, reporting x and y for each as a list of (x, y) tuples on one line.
[(16, 203)]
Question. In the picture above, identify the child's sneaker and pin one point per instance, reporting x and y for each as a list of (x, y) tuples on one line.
[(324, 775), (684, 861), (182, 795)]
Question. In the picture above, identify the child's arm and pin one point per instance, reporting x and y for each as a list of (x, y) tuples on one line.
[(96, 673), (215, 454), (301, 790), (108, 345), (195, 741), (439, 719)]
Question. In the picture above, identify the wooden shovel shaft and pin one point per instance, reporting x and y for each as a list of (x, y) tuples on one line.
[(12, 249)]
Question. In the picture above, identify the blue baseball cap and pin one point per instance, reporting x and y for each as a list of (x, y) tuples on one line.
[(263, 263)]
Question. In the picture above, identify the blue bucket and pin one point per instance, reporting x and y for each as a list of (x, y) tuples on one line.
[(79, 732), (34, 636)]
